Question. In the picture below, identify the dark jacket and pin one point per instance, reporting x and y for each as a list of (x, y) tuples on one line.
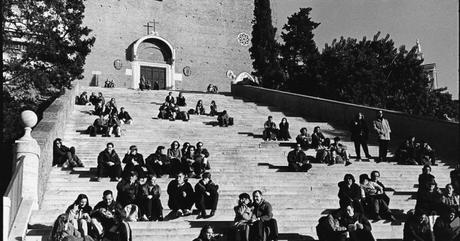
[(350, 193), (359, 130), (263, 211), (129, 164), (175, 192), (124, 116), (181, 101), (446, 230), (414, 231), (427, 202), (297, 157), (201, 188), (105, 157), (127, 192), (155, 191)]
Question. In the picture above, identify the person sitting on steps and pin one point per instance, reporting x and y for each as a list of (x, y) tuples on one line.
[(243, 215), (339, 153), (284, 134), (199, 109), (170, 99), (61, 153), (180, 100), (375, 206), (223, 119), (213, 109), (158, 163), (270, 131), (150, 202), (124, 116), (181, 196), (109, 162), (359, 228), (303, 139), (134, 162), (317, 137), (114, 126), (207, 196), (264, 226), (297, 160)]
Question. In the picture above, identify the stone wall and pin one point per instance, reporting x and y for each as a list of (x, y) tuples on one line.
[(441, 135), (50, 127), (202, 32)]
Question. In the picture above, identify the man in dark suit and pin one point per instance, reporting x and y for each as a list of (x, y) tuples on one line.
[(359, 134)]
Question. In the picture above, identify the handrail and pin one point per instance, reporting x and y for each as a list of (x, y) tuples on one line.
[(12, 198)]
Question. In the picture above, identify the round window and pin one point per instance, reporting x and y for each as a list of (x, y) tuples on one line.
[(243, 39)]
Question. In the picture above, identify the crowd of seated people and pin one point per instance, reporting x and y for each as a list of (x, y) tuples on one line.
[(212, 89), (411, 152), (436, 213), (171, 110)]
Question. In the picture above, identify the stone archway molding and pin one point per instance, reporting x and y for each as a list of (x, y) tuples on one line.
[(136, 64)]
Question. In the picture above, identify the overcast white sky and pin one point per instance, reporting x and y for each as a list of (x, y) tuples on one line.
[(434, 22)]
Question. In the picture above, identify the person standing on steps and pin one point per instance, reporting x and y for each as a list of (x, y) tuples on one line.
[(382, 126), (359, 134)]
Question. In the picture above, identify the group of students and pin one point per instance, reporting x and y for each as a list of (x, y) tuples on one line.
[(412, 152), (191, 160), (137, 200), (171, 110), (358, 203), (109, 120), (436, 214)]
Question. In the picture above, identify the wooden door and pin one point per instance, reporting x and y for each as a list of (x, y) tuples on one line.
[(153, 74)]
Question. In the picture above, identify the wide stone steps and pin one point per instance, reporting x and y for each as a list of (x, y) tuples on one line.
[(240, 162)]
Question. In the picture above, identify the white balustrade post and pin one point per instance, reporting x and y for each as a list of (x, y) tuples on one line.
[(28, 148)]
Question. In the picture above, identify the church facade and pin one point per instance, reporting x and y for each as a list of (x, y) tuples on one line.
[(180, 44)]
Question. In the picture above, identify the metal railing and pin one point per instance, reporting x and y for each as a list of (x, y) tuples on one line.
[(12, 198)]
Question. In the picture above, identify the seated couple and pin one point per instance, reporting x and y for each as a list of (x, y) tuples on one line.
[(254, 220), (182, 196), (170, 111), (415, 153), (272, 133), (105, 125)]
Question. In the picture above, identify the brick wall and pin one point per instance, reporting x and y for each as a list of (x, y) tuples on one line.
[(50, 127), (202, 32)]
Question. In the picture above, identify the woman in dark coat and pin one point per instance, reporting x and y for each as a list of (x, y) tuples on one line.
[(359, 228), (350, 193), (151, 207), (284, 130), (61, 153)]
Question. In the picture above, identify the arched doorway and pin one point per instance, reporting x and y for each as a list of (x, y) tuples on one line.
[(153, 58)]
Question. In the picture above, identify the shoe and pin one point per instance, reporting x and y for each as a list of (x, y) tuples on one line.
[(347, 163), (202, 215), (213, 212), (187, 212), (98, 179), (179, 213), (368, 156), (391, 218), (160, 218), (358, 159), (144, 218), (81, 165)]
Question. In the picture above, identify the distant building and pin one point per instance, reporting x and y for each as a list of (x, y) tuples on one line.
[(429, 69), (431, 73)]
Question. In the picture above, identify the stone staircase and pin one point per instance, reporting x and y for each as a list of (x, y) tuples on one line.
[(240, 160)]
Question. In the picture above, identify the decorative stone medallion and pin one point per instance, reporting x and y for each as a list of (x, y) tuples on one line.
[(117, 64), (187, 71)]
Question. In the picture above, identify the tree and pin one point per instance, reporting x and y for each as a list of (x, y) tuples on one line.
[(299, 52), (264, 50), (44, 48), (376, 73)]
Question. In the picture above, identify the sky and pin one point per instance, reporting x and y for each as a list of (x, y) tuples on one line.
[(433, 22)]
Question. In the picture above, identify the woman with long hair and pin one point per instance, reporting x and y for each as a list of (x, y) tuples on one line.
[(64, 230), (207, 234), (284, 134), (79, 214), (243, 214)]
